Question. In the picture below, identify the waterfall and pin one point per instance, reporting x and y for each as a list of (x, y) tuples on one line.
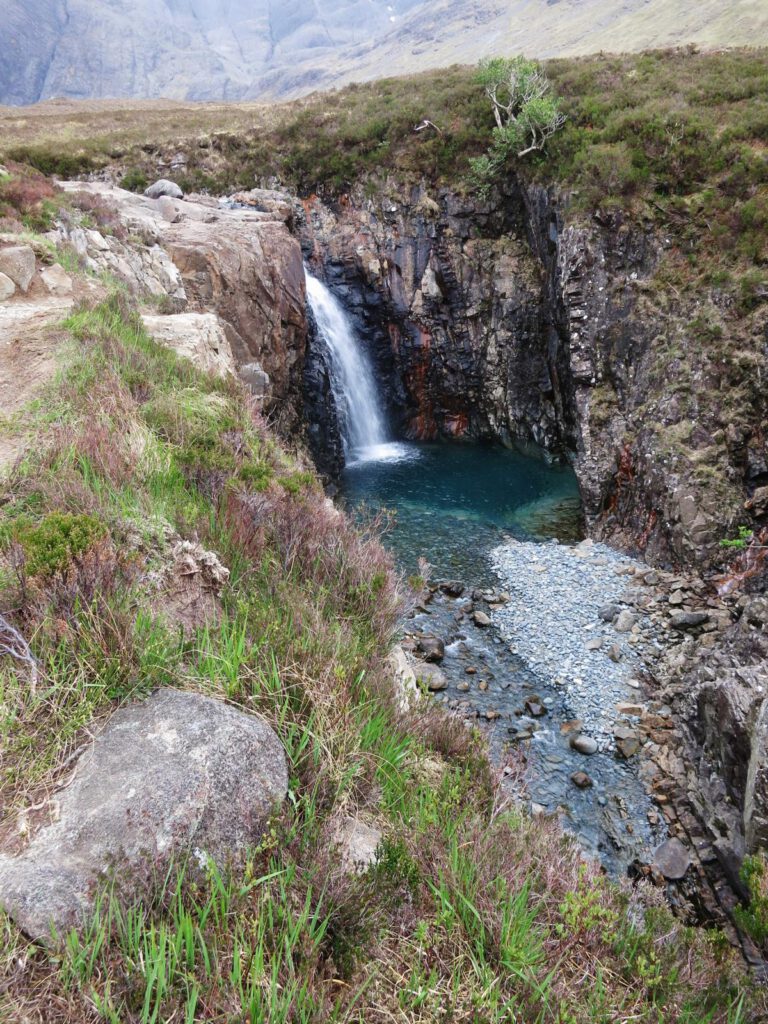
[(362, 423)]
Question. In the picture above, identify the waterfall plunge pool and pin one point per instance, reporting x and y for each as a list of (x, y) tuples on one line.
[(453, 503)]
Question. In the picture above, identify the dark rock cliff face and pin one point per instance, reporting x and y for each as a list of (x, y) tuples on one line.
[(515, 320)]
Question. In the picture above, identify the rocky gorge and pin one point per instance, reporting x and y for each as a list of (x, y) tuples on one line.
[(503, 320)]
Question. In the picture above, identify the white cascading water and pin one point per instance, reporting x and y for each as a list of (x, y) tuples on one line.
[(361, 419)]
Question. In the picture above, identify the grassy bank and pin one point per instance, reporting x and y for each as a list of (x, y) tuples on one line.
[(473, 912)]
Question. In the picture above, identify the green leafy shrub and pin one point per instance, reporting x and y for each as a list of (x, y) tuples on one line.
[(754, 918), (51, 546), (134, 180)]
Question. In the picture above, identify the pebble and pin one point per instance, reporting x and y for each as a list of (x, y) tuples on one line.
[(584, 744), (582, 780)]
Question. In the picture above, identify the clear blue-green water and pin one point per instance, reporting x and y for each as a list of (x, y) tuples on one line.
[(453, 503)]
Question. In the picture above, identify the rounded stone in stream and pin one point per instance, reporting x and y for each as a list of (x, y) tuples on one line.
[(176, 773), (481, 619), (431, 676), (582, 780), (584, 744), (431, 648), (672, 859)]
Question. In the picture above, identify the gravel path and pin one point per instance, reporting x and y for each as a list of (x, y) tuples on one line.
[(553, 622)]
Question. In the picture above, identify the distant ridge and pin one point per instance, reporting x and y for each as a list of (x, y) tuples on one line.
[(254, 49)]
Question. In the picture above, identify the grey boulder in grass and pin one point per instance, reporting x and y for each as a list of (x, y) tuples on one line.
[(179, 773), (164, 187)]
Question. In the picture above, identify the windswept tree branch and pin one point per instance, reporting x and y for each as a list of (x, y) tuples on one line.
[(13, 644)]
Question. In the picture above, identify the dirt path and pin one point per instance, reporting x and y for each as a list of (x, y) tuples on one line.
[(30, 336)]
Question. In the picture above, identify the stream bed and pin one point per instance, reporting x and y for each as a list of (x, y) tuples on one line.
[(527, 655)]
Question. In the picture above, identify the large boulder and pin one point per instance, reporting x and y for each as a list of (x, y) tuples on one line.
[(177, 774), (163, 187), (18, 263), (7, 287)]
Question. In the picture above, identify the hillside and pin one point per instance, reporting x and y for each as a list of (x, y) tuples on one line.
[(212, 50), (163, 531)]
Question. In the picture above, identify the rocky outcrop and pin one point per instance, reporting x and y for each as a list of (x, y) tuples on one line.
[(199, 337), (179, 774), (243, 264)]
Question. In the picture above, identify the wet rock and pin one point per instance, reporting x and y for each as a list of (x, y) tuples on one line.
[(177, 773), (584, 744), (164, 187), (481, 619), (535, 707), (431, 648), (671, 859), (452, 588), (688, 620), (582, 780)]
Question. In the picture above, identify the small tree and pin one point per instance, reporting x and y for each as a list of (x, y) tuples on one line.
[(525, 111)]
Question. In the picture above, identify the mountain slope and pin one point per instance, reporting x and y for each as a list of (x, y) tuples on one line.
[(245, 49)]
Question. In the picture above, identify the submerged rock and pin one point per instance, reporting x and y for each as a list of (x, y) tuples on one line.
[(431, 648), (178, 773)]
